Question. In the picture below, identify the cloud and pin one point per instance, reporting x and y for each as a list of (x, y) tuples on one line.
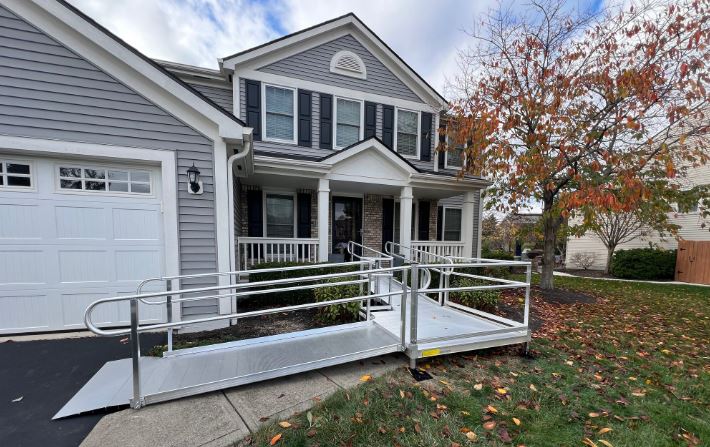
[(425, 34)]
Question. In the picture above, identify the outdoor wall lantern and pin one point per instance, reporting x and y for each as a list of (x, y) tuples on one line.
[(194, 183)]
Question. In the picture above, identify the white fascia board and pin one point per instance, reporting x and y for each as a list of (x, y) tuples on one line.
[(443, 182), (114, 58), (281, 49)]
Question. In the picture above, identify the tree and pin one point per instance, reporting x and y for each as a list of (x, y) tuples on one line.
[(581, 111)]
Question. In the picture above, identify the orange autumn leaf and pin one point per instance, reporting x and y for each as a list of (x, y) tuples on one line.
[(275, 439)]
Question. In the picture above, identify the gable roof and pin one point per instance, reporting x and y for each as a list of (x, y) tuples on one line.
[(149, 61), (342, 21), (367, 143)]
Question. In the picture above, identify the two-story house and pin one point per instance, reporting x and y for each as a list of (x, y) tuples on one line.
[(115, 167)]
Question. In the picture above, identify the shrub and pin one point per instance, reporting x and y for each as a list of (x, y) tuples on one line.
[(583, 260), (485, 300), (644, 263), (496, 254), (339, 313)]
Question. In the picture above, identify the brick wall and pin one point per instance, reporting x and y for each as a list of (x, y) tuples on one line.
[(372, 221), (433, 217)]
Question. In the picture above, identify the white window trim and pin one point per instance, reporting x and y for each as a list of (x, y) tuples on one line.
[(361, 134), (263, 114), (419, 131), (443, 223), (4, 174), (295, 211), (351, 73), (446, 158), (98, 166)]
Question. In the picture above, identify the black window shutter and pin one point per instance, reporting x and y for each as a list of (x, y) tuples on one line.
[(255, 213), (370, 119), (440, 224), (442, 144), (387, 221), (326, 122), (425, 140), (388, 126), (304, 118), (304, 215), (423, 221), (253, 108)]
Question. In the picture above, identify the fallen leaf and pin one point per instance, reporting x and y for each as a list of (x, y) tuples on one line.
[(401, 394), (275, 439), (594, 415), (604, 430), (309, 416), (589, 442), (504, 435), (478, 387), (366, 378), (501, 391), (471, 436), (311, 433), (284, 424), (516, 421), (532, 387), (19, 399), (606, 443), (490, 425), (491, 409)]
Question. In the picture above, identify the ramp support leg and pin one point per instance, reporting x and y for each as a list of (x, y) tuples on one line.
[(412, 363), (137, 400)]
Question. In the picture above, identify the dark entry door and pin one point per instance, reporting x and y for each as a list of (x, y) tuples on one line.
[(347, 225)]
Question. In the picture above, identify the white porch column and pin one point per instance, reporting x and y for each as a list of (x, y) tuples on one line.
[(323, 212), (469, 201), (405, 219)]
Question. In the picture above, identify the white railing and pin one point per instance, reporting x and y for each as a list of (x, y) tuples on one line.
[(257, 250), (439, 248)]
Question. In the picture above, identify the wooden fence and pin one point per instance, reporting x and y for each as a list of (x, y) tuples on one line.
[(693, 262)]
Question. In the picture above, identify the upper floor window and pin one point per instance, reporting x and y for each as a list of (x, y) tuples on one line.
[(15, 174), (407, 133), (348, 122), (348, 63), (104, 180), (455, 157), (279, 114)]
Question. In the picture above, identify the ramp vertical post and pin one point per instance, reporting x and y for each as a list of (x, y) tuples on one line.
[(137, 400), (414, 305), (169, 304), (403, 310), (528, 278), (370, 265)]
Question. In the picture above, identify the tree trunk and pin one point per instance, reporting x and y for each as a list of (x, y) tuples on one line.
[(550, 225), (609, 255)]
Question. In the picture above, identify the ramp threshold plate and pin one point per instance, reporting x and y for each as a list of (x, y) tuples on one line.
[(238, 363)]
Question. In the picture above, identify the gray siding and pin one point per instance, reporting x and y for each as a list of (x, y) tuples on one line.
[(221, 96), (457, 201), (47, 91), (314, 65)]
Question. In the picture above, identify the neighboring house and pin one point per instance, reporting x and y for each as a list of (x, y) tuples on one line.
[(302, 144), (691, 228)]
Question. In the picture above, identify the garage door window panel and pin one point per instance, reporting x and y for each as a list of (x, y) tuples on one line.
[(15, 174), (102, 180)]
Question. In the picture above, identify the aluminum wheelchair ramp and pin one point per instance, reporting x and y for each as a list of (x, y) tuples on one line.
[(200, 370)]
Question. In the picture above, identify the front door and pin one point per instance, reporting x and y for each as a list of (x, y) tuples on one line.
[(347, 225)]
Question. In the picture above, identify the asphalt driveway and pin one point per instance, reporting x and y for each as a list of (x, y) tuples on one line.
[(46, 374)]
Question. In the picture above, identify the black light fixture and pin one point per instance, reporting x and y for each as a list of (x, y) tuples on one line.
[(194, 183)]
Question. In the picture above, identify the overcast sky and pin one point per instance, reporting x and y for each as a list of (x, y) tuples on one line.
[(426, 34)]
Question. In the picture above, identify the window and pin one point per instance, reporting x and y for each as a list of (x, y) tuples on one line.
[(280, 215), (407, 133), (15, 174), (452, 224), (455, 157), (348, 115), (279, 114), (104, 180)]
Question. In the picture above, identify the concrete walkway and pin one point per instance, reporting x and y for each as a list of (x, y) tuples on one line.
[(220, 419)]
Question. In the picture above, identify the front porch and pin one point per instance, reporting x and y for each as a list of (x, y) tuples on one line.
[(297, 211)]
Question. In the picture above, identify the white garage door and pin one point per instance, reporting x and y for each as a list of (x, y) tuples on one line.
[(72, 232)]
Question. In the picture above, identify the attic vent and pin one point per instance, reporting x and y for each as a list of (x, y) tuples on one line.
[(348, 63)]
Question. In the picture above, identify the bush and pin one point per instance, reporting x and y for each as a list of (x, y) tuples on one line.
[(583, 260), (644, 263), (496, 254), (284, 298), (340, 313), (485, 300)]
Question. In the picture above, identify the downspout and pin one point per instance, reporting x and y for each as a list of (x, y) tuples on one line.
[(230, 179)]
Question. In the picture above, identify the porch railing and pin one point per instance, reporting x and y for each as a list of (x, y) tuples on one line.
[(257, 250), (439, 248)]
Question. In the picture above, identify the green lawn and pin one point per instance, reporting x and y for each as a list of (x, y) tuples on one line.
[(631, 370)]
